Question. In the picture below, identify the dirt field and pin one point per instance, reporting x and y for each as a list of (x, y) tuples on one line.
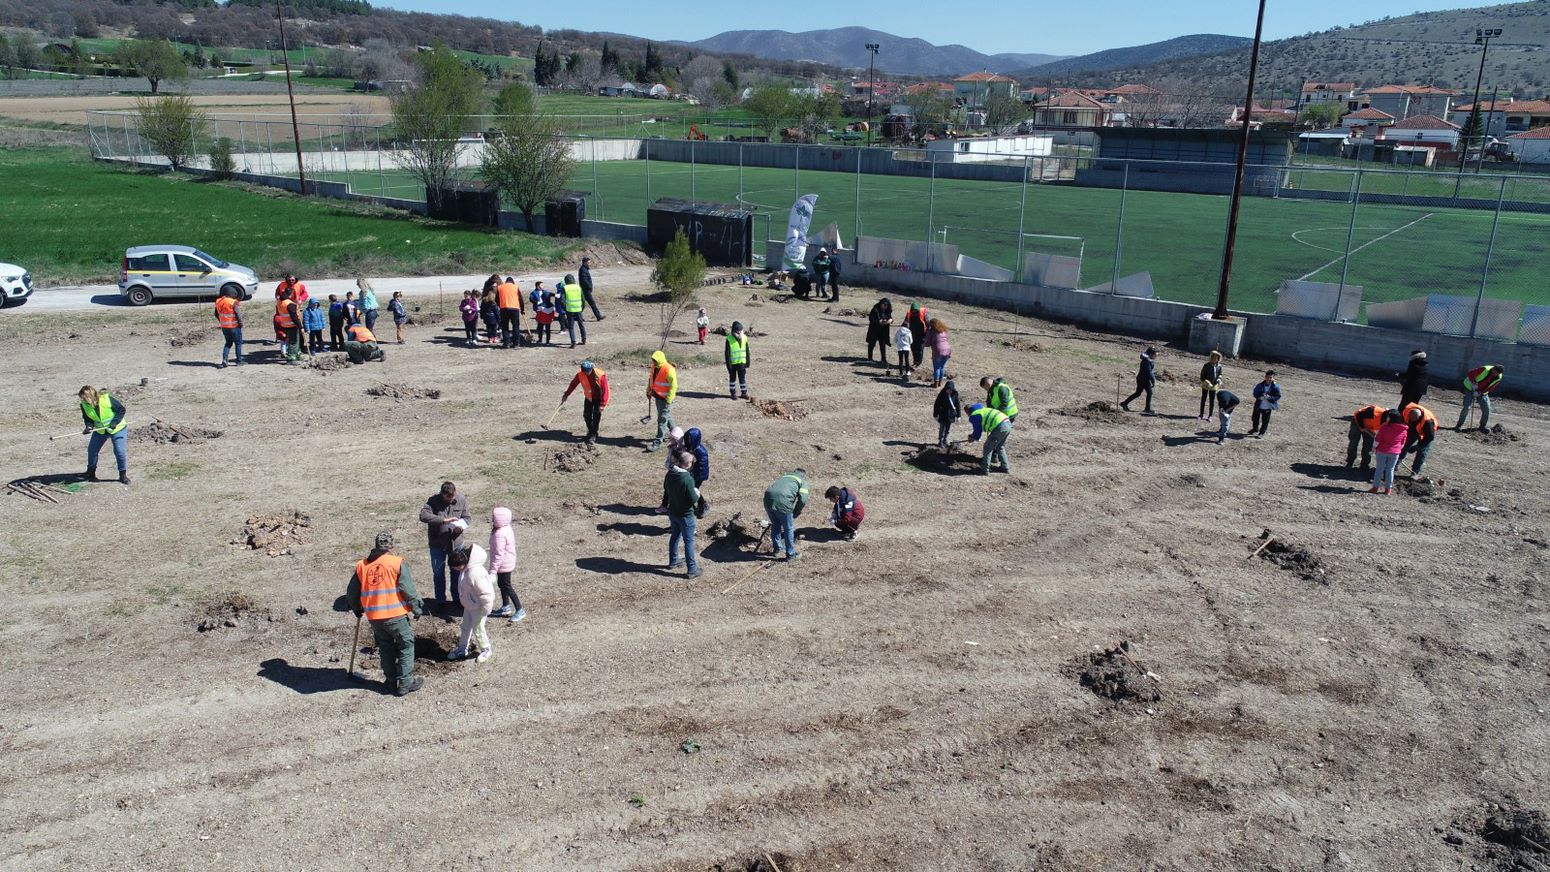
[(1369, 694), (72, 110)]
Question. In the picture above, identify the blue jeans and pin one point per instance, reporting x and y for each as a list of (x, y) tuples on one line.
[(683, 531), (939, 367), (1383, 476), (782, 531), (1422, 449), (371, 320), (1469, 401), (439, 573), (1221, 434), (233, 340), (120, 449)]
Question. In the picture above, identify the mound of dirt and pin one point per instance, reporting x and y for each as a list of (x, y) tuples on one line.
[(161, 433), (1165, 375), (330, 363), (612, 254), (789, 410), (233, 611), (1512, 837), (403, 392), (759, 861), (425, 319), (1428, 491), (845, 313), (736, 530), (1113, 675), (1497, 435), (191, 336), (574, 458), (276, 534), (1022, 345), (1098, 412), (722, 330), (934, 458), (1297, 560)]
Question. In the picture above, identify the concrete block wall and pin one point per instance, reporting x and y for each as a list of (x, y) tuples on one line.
[(616, 232)]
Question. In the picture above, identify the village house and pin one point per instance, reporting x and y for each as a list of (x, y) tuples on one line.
[(1070, 109), (974, 89), (1342, 94), (1368, 117), (1531, 146), (1406, 101), (1426, 131)]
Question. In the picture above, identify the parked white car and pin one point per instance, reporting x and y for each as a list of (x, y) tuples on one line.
[(15, 284)]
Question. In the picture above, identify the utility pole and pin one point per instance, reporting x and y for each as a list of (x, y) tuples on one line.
[(1483, 39), (871, 88), (290, 94), (1237, 183), (1480, 158)]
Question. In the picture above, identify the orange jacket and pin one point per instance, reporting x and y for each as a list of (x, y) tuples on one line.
[(591, 388), (509, 296)]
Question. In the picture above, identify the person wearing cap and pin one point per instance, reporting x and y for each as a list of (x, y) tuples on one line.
[(1478, 384), (584, 277), (737, 357), (445, 516), (382, 591), (1146, 380), (1423, 430), (1412, 382), (995, 426), (572, 300), (821, 266), (593, 382)]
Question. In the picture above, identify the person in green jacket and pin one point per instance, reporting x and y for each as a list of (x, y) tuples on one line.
[(998, 396), (995, 427), (783, 502), (680, 496), (388, 602)]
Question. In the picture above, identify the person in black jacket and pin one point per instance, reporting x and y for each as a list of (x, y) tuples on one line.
[(949, 408), (834, 277), (879, 329), (584, 276), (1146, 380), (1210, 383), (1412, 382)]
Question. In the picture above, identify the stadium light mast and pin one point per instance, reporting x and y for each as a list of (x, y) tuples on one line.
[(871, 88), (1483, 37), (301, 169), (1237, 183)]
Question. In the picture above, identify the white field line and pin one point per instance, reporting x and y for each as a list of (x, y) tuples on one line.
[(1364, 245)]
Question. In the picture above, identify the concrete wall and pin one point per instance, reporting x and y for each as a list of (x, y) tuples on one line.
[(1299, 341), (840, 159), (616, 232)]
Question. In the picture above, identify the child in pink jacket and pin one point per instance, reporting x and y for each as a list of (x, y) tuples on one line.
[(503, 562), (477, 595), (1390, 443)]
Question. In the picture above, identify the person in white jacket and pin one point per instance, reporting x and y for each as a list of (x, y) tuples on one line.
[(903, 342), (476, 590), (503, 562)]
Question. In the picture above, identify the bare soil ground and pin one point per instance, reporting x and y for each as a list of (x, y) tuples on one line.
[(947, 692), (73, 109)]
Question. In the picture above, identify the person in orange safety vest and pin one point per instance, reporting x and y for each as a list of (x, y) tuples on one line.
[(382, 591)]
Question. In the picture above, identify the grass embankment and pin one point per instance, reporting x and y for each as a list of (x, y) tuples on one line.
[(73, 218)]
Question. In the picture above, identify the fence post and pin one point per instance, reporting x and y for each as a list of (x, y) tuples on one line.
[(796, 171), (739, 172), (857, 234), (381, 175), (693, 194), (1345, 262), (594, 166), (242, 137), (1119, 230), (1022, 217), (647, 143), (931, 214), (1490, 248)]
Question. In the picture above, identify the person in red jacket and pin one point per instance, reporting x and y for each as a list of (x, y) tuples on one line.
[(594, 386), (848, 513)]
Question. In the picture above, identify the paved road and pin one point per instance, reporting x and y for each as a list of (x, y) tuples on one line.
[(89, 298)]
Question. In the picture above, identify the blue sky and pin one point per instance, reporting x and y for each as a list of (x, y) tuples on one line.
[(986, 25)]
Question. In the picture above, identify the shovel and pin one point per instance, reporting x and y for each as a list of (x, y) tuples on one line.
[(556, 412), (355, 646), (646, 417)]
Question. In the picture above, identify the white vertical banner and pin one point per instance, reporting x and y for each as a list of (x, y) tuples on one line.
[(801, 219)]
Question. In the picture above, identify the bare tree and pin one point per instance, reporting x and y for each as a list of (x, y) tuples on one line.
[(527, 158)]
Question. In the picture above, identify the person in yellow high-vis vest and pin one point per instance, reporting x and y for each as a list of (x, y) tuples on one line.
[(102, 417), (737, 360), (662, 388), (382, 591), (572, 299)]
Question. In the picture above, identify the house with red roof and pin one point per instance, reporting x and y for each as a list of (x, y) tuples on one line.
[(1505, 117), (1368, 117), (1531, 146), (973, 89), (1428, 131), (1071, 109)]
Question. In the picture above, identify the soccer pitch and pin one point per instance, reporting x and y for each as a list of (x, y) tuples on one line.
[(1398, 251)]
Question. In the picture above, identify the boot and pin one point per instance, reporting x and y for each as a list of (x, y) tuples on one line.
[(123, 477), (410, 685), (91, 474)]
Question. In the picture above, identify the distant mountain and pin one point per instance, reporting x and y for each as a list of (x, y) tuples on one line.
[(1138, 55), (1428, 48), (846, 47)]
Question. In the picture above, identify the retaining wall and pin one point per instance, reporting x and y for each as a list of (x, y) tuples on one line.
[(825, 158)]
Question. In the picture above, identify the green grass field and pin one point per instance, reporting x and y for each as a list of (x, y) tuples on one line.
[(81, 215), (1399, 251)]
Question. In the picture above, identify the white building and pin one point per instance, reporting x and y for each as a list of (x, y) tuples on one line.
[(1531, 147), (991, 148)]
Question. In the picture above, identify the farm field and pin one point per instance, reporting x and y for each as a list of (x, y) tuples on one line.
[(1367, 691), (1399, 251), (82, 215)]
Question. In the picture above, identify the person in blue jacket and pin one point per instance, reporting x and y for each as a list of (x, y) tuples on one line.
[(1226, 404), (693, 444), (1267, 398), (313, 320)]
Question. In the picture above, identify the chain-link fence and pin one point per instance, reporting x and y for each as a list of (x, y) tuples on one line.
[(1412, 247)]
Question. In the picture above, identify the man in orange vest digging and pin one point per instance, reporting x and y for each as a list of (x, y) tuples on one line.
[(381, 589), (362, 345), (594, 386)]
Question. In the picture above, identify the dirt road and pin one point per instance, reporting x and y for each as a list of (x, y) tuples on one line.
[(317, 107), (85, 298), (922, 698)]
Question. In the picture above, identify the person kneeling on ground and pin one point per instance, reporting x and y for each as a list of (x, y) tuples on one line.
[(995, 427), (382, 591), (477, 593), (362, 345), (848, 513)]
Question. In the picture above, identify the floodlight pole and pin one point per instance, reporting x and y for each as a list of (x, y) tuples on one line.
[(1237, 183), (301, 169), (1483, 39), (871, 88)]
